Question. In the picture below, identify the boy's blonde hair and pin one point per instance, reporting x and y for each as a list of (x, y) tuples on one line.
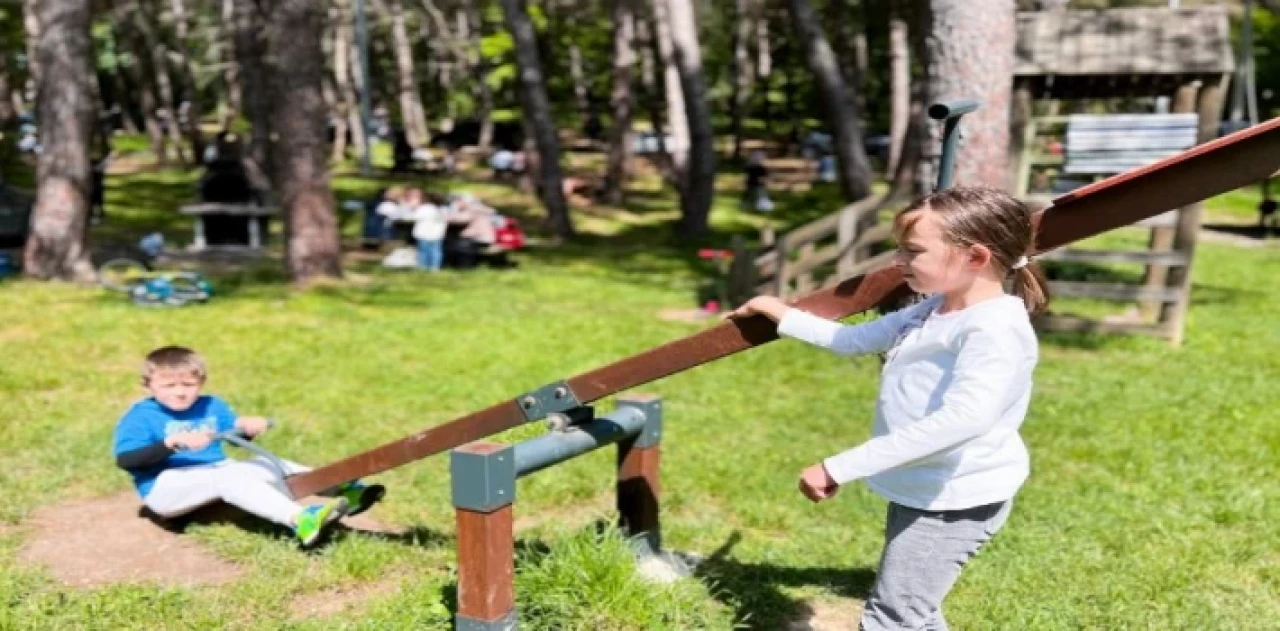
[(173, 358)]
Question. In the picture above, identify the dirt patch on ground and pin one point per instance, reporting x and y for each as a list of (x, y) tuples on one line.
[(828, 615), (339, 600), (87, 543), (687, 315)]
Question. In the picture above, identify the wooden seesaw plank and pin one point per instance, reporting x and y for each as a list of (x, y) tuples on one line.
[(1210, 169)]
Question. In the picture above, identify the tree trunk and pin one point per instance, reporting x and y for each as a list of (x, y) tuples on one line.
[(849, 43), (188, 80), (31, 24), (537, 115), (899, 89), (333, 98), (56, 246), (231, 83), (6, 94), (480, 70), (581, 95), (160, 71), (139, 70), (254, 87), (624, 57), (412, 113), (741, 72), (298, 113), (699, 186), (843, 114), (648, 83), (677, 116), (764, 65), (349, 106), (958, 32)]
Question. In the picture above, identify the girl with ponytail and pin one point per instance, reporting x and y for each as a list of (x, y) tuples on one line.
[(955, 387)]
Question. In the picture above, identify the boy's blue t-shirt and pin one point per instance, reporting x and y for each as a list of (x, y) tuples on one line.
[(148, 422)]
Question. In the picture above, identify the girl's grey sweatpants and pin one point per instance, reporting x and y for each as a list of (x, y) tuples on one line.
[(923, 554)]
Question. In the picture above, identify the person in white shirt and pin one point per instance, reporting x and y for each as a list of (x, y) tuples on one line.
[(954, 389), (429, 226)]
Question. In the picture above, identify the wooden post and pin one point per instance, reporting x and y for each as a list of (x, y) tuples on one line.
[(804, 282), (1173, 315), (638, 484), (483, 477), (780, 267), (846, 234), (1162, 237)]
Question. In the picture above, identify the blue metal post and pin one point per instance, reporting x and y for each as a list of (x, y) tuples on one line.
[(950, 112)]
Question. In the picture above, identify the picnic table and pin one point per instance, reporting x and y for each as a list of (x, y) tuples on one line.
[(221, 223)]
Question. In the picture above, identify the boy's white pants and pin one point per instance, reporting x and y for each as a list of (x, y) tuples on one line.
[(250, 485)]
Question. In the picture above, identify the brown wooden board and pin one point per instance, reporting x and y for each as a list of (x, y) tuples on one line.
[(1202, 172)]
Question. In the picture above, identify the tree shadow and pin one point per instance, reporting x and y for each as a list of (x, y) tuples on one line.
[(753, 589)]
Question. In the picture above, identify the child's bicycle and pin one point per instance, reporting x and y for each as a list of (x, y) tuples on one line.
[(133, 276)]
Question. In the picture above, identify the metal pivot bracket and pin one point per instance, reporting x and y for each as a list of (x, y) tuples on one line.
[(555, 397)]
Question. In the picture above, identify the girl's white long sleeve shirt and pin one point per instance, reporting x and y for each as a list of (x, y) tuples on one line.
[(954, 390)]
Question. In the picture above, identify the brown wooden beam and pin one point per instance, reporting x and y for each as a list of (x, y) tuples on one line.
[(1194, 175)]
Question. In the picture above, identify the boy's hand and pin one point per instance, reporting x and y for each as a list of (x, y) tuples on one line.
[(769, 306), (816, 483), (189, 441), (252, 425)]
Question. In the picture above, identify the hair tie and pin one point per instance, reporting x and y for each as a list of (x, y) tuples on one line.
[(1021, 262)]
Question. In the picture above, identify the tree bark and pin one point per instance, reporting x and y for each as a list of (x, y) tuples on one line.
[(480, 70), (849, 43), (160, 71), (6, 94), (343, 68), (188, 80), (334, 99), (648, 84), (624, 58), (537, 116), (677, 117), (899, 89), (231, 82), (139, 70), (256, 91), (741, 72), (699, 186), (764, 65), (956, 33), (31, 24), (843, 114), (298, 113), (412, 113), (56, 246)]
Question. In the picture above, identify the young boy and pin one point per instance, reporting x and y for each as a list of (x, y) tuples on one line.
[(166, 443)]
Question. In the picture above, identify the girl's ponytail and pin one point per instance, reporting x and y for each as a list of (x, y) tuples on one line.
[(1030, 285)]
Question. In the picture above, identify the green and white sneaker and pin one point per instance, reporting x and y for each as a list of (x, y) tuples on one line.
[(360, 496), (315, 519)]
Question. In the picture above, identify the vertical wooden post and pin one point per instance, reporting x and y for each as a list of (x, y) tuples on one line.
[(1162, 237), (804, 282), (780, 267), (1173, 315), (484, 480), (846, 234), (638, 484)]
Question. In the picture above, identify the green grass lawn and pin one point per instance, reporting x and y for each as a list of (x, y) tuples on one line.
[(1152, 504)]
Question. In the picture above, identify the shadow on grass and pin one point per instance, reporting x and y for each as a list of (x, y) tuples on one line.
[(753, 589), (224, 514)]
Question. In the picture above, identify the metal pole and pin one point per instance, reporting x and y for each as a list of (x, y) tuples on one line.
[(362, 42), (950, 112)]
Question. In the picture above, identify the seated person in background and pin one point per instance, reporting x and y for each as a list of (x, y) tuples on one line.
[(379, 221), (479, 230), (429, 227), (166, 443)]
